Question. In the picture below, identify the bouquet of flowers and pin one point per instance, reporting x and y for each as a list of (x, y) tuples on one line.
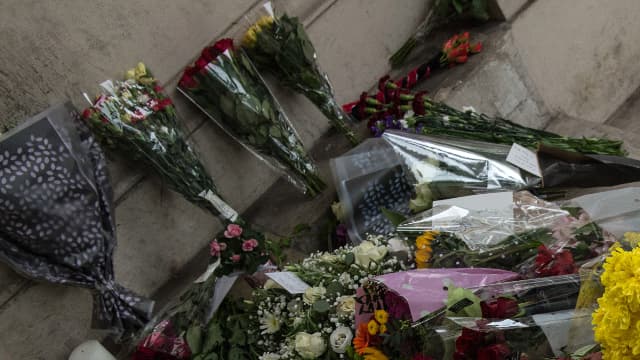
[(224, 84), (136, 119), (440, 13), (280, 44), (57, 217), (456, 50), (398, 108), (179, 332), (315, 323), (394, 307), (537, 238)]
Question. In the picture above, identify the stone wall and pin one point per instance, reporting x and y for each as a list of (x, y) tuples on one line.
[(55, 50)]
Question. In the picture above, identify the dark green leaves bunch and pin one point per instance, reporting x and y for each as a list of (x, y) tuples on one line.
[(283, 47), (232, 93)]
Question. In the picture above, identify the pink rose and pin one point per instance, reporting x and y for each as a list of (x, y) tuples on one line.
[(235, 258), (253, 242), (223, 246), (215, 248), (233, 231), (247, 246)]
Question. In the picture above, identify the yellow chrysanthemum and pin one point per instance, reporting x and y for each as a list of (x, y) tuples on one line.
[(381, 316), (617, 319), (373, 327), (251, 35), (372, 353), (383, 329)]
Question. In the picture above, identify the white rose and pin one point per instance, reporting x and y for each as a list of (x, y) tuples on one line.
[(346, 305), (313, 294), (310, 346), (397, 245), (340, 338), (367, 252)]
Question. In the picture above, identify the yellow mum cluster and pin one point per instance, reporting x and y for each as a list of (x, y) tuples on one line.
[(632, 238), (251, 36), (377, 325), (423, 248), (617, 319)]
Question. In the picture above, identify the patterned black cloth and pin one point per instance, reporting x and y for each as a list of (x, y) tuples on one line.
[(56, 215)]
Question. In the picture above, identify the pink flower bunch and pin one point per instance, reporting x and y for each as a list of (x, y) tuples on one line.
[(249, 245)]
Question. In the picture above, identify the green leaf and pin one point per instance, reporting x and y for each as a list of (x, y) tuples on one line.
[(334, 287), (211, 356), (266, 109), (321, 307), (194, 338), (237, 353), (238, 336), (301, 228), (275, 132), (395, 218), (479, 10), (213, 338), (457, 4), (349, 259)]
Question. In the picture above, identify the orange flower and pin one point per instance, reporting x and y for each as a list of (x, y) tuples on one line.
[(362, 339), (423, 246), (372, 353), (422, 258)]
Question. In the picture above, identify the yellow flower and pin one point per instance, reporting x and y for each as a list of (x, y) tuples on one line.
[(617, 319), (422, 258), (140, 70), (372, 353), (251, 36), (633, 238), (373, 327), (131, 74), (383, 329), (424, 241), (381, 316)]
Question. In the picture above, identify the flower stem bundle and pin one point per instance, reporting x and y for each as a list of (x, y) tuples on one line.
[(281, 45), (415, 112), (137, 119), (225, 85)]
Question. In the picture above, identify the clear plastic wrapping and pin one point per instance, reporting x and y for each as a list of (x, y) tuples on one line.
[(526, 234), (278, 43), (136, 119), (368, 178), (224, 84)]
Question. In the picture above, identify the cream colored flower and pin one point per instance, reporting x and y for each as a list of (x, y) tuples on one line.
[(367, 252), (340, 338), (313, 294), (310, 346), (346, 305), (269, 323)]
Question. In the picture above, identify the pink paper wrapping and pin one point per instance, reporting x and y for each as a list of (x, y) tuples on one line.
[(417, 293)]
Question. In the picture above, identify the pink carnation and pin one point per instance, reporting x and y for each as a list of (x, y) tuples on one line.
[(233, 231), (235, 258), (247, 245), (215, 248), (253, 242), (223, 246)]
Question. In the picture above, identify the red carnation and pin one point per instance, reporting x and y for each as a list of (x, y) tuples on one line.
[(209, 54), (223, 45), (494, 352), (418, 103), (502, 308), (476, 48), (550, 264)]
